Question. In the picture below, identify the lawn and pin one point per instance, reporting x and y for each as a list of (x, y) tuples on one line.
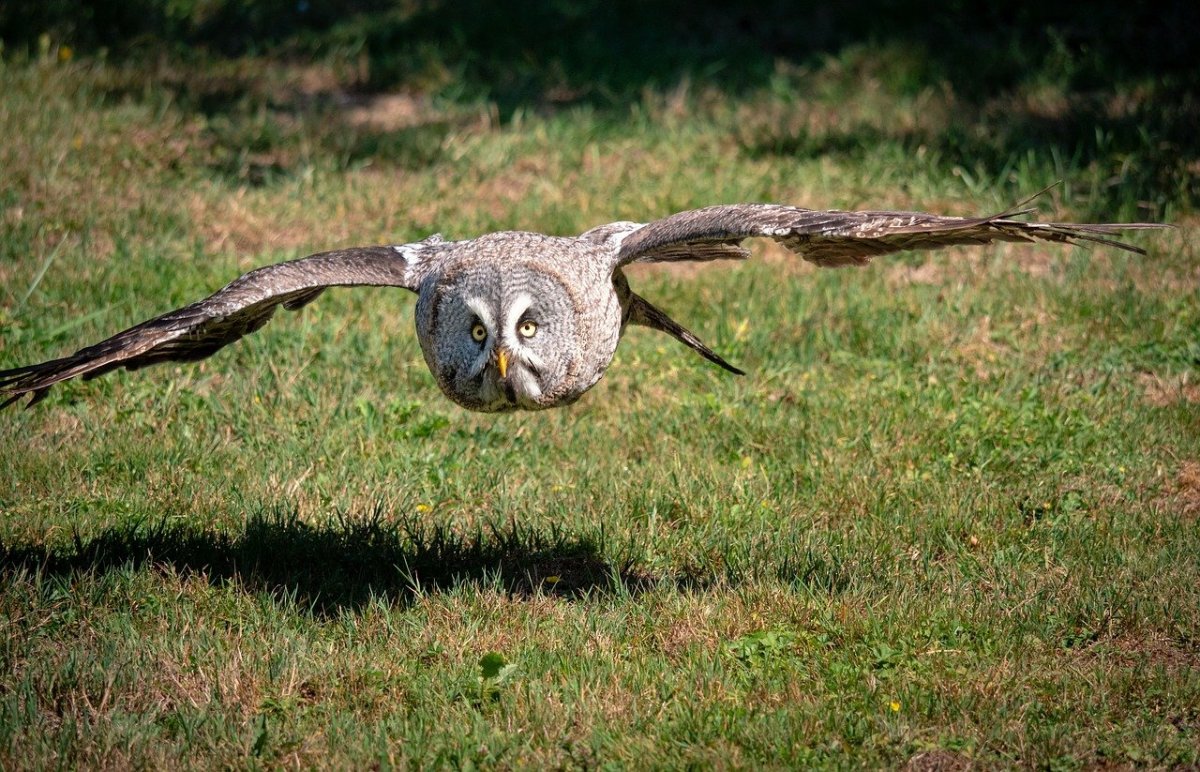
[(948, 519)]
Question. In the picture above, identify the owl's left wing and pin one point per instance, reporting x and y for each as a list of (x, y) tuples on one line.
[(835, 238), (199, 330)]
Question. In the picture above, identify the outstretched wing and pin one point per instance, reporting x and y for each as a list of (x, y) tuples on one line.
[(835, 238), (241, 307), (612, 235)]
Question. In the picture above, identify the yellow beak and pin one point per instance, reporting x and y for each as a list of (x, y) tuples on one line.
[(502, 362)]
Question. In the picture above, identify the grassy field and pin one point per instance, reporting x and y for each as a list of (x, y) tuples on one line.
[(949, 519)]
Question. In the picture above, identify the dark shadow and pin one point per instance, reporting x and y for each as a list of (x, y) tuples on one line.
[(345, 562), (606, 54), (263, 162), (256, 133), (606, 50), (1151, 151), (545, 54)]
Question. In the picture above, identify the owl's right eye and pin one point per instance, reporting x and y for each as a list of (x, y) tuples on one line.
[(478, 332)]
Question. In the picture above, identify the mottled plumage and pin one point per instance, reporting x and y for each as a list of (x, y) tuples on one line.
[(516, 320)]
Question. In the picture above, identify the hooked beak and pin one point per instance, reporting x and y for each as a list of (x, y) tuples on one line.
[(502, 362)]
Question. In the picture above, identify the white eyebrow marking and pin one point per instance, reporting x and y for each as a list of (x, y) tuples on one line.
[(520, 305), (480, 309)]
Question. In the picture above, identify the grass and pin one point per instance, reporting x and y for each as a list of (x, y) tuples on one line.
[(948, 520)]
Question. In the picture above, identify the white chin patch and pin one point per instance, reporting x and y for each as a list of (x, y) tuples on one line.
[(526, 388)]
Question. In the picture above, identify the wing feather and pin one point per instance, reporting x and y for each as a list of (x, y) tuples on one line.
[(611, 235), (240, 308), (835, 238)]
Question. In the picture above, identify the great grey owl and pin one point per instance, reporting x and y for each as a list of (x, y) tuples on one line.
[(516, 320)]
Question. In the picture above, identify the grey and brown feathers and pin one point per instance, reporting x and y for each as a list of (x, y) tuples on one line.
[(835, 238), (548, 315), (200, 329), (475, 297)]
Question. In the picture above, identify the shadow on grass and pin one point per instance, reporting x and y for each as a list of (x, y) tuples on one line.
[(543, 55), (344, 563), (258, 132), (608, 51), (1150, 150)]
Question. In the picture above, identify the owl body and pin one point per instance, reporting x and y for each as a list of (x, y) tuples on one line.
[(525, 321), (515, 320)]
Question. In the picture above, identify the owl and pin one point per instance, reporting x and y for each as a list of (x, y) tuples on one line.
[(525, 321)]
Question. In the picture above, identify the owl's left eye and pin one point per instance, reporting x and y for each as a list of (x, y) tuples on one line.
[(527, 328), (478, 332)]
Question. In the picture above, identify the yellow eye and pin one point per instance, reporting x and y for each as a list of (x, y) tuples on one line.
[(478, 332), (528, 328)]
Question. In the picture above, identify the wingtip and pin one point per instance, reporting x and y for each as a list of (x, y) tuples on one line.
[(38, 396), (719, 361), (35, 396)]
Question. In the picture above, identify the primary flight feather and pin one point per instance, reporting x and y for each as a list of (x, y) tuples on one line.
[(515, 320)]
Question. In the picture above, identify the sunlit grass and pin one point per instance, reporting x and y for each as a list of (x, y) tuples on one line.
[(948, 517)]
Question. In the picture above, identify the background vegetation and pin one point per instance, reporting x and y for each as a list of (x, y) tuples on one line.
[(948, 520)]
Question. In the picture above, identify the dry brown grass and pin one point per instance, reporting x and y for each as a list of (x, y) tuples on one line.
[(939, 760), (1165, 391), (919, 490), (1187, 490)]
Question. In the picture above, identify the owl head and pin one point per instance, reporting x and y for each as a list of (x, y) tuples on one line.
[(503, 336)]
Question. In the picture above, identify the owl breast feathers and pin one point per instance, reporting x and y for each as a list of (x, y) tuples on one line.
[(525, 321)]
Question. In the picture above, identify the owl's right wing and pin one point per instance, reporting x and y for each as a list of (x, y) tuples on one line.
[(826, 237), (835, 238), (613, 235), (243, 306)]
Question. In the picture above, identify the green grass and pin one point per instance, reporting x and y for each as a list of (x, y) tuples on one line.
[(949, 518)]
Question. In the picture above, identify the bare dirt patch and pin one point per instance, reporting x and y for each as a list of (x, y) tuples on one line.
[(1167, 391), (929, 273), (1130, 649), (233, 223), (678, 271), (981, 349), (1187, 489), (386, 112), (938, 760)]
